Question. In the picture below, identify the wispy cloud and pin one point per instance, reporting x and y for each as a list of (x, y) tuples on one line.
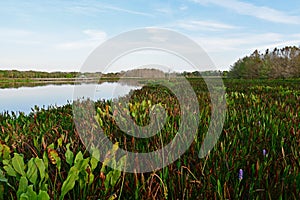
[(19, 36), (261, 12), (5, 32), (93, 38), (235, 42), (183, 7), (96, 8), (127, 11), (194, 25), (166, 11)]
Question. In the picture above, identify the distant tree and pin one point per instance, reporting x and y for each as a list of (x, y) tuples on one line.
[(280, 63)]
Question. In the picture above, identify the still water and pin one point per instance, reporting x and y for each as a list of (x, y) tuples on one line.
[(22, 99)]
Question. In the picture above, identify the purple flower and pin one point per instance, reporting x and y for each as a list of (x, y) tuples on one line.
[(258, 122), (264, 152), (241, 173)]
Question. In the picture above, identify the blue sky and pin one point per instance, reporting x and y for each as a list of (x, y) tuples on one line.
[(59, 35)]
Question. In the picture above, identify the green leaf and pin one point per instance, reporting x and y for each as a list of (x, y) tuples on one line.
[(69, 183), (121, 163), (115, 177), (46, 163), (78, 157), (43, 195), (18, 164), (91, 178), (94, 163), (23, 184), (107, 180), (10, 170), (2, 177), (30, 193), (59, 141), (69, 155), (45, 160), (95, 158), (82, 164), (6, 152), (41, 167), (24, 196), (219, 188), (32, 174)]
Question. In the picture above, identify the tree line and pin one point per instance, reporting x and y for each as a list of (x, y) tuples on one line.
[(279, 63), (36, 74)]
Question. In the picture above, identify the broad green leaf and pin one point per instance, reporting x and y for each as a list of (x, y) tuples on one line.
[(24, 196), (78, 157), (6, 162), (6, 152), (115, 177), (121, 163), (46, 163), (23, 184), (10, 170), (91, 178), (69, 155), (32, 171), (43, 195), (45, 160), (41, 167), (51, 146), (82, 164), (94, 163), (69, 183), (18, 164), (96, 153), (30, 193), (2, 177), (107, 180), (95, 158)]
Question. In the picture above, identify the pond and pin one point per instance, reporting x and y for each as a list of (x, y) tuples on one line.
[(23, 99)]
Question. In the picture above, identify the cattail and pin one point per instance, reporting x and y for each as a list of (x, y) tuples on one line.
[(241, 173)]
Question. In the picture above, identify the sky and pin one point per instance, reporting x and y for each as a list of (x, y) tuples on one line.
[(59, 35)]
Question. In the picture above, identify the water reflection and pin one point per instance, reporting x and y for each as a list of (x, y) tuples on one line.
[(24, 98)]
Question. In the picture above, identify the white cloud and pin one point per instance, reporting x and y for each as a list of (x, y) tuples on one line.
[(128, 11), (194, 25), (19, 37), (237, 42), (183, 7), (261, 12), (164, 11), (14, 32), (96, 8), (226, 50), (94, 38)]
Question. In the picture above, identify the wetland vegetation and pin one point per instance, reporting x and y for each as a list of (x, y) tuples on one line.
[(42, 156)]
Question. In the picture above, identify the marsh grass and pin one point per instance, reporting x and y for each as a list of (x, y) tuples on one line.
[(261, 115)]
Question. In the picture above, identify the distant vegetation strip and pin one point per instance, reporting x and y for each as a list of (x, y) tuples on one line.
[(277, 64)]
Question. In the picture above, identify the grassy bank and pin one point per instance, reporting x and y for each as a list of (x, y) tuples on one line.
[(256, 157)]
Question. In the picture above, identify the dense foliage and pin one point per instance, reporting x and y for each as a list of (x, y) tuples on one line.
[(256, 157), (36, 74), (279, 63)]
